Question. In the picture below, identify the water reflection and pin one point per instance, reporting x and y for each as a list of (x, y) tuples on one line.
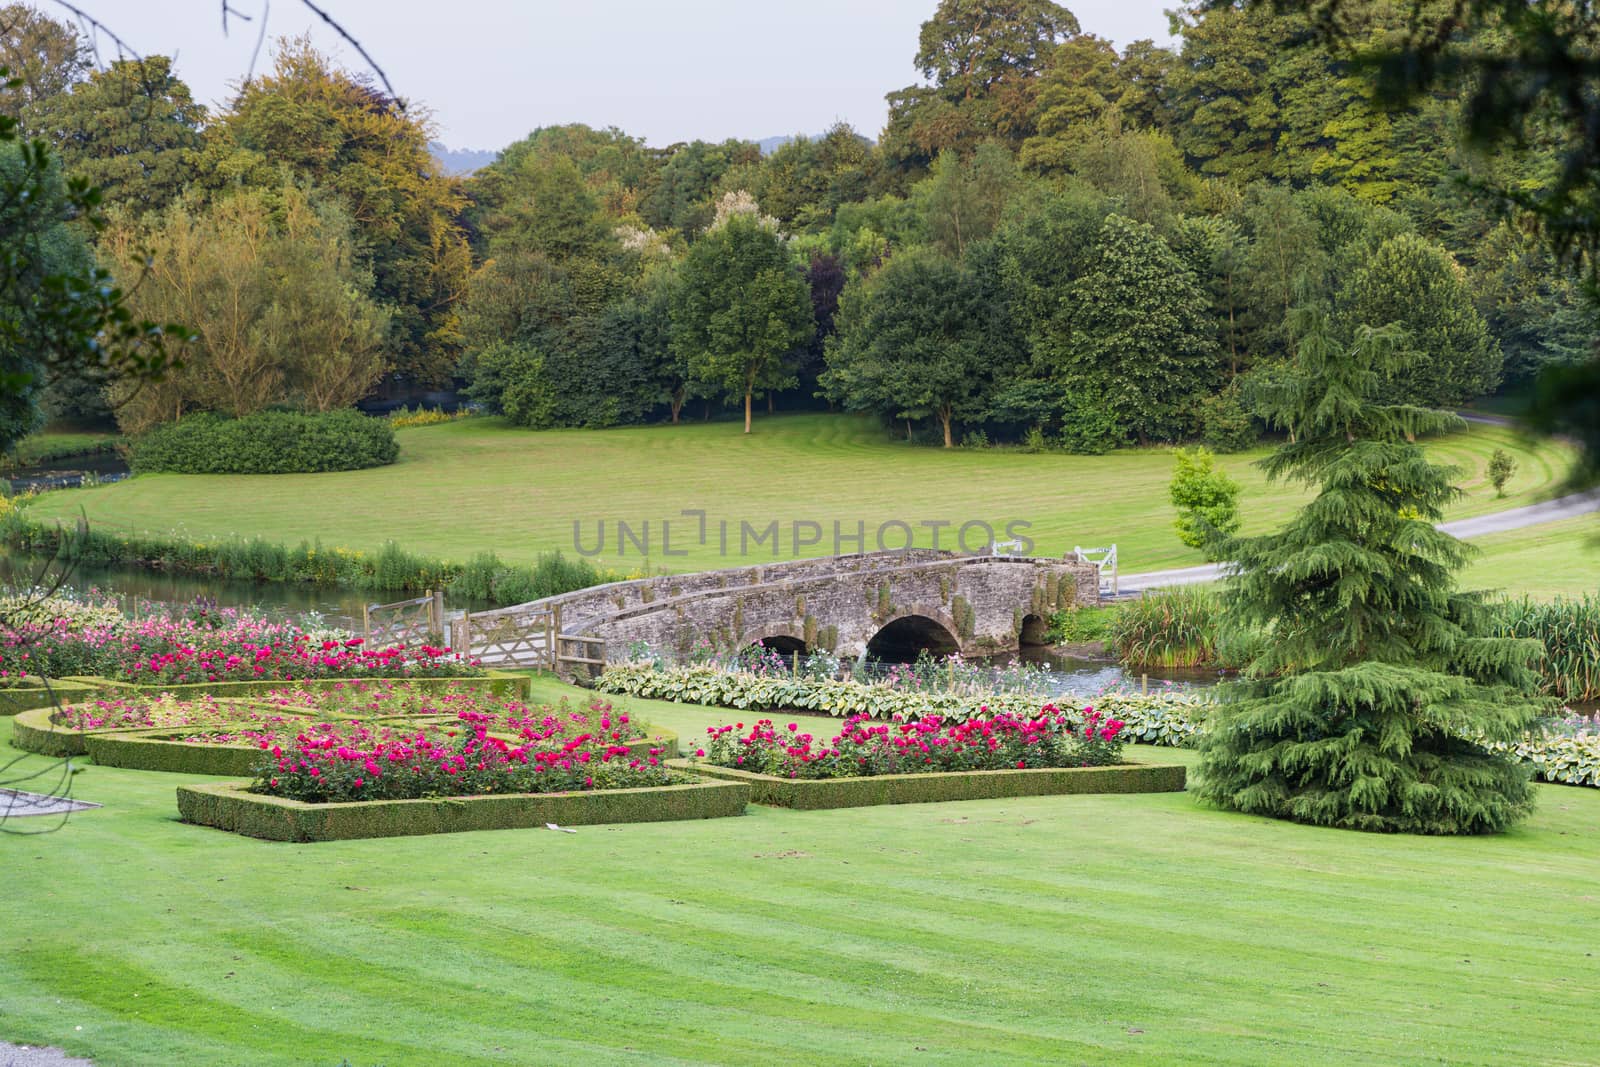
[(338, 607)]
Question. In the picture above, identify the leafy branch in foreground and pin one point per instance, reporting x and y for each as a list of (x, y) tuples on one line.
[(59, 312)]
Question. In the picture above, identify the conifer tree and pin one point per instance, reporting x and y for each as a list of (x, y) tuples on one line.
[(1376, 687)]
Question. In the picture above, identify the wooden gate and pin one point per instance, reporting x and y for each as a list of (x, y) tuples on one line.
[(405, 623), (525, 636), (508, 637)]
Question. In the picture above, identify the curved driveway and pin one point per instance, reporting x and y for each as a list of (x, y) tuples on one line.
[(1563, 507)]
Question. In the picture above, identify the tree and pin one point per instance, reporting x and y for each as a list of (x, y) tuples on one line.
[(1282, 266), (272, 291), (342, 135), (617, 169), (681, 196), (1501, 468), (740, 310), (1533, 304), (983, 58), (962, 200), (1370, 706), (1077, 88), (43, 56), (1216, 250), (51, 248), (912, 344), (804, 181), (1206, 498), (1450, 357), (528, 203), (1135, 334), (61, 316), (1526, 74), (132, 129)]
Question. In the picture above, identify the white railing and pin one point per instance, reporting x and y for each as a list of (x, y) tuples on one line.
[(1104, 560)]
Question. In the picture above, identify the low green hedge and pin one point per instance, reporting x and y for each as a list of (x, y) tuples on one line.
[(32, 731), (77, 689), (267, 442), (159, 750), (15, 699), (818, 793), (230, 806)]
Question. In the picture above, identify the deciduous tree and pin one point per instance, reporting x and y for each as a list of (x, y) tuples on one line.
[(741, 310)]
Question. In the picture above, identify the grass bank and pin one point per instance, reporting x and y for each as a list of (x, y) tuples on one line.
[(1034, 930), (463, 487), (1542, 561)]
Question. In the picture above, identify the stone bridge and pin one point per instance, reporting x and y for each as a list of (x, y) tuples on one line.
[(891, 604)]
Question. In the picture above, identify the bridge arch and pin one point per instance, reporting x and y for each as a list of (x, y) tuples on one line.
[(786, 644), (1035, 630), (902, 638)]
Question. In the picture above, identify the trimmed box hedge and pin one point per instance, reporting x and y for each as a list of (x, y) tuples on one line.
[(158, 750), (17, 699), (32, 731), (78, 687), (812, 794), (230, 806)]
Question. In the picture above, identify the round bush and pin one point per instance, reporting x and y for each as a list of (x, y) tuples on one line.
[(268, 442)]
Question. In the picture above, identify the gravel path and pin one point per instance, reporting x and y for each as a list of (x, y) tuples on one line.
[(1564, 507), (37, 1056)]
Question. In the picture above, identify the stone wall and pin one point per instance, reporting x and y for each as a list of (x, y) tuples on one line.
[(838, 603)]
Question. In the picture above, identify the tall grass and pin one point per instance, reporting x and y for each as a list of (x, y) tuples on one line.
[(1570, 630), (1168, 628), (391, 569)]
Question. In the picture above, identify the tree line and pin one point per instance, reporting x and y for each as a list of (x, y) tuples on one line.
[(1053, 241)]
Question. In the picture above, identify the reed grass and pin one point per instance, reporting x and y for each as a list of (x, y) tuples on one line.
[(1168, 628), (1570, 630)]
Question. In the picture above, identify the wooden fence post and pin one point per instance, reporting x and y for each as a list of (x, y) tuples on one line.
[(555, 638)]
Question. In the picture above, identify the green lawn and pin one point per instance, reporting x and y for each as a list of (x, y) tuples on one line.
[(1542, 561), (463, 487), (39, 447), (1099, 930)]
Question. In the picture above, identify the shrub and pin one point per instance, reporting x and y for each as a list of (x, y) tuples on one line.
[(1225, 423), (484, 577), (179, 648), (1079, 624), (1206, 498), (1049, 737), (1147, 716), (1168, 628), (359, 763), (400, 418), (268, 442), (1501, 468)]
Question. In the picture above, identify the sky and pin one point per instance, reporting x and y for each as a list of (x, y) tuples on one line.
[(489, 71)]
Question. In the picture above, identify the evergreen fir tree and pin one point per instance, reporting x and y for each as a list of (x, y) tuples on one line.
[(1376, 686)]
